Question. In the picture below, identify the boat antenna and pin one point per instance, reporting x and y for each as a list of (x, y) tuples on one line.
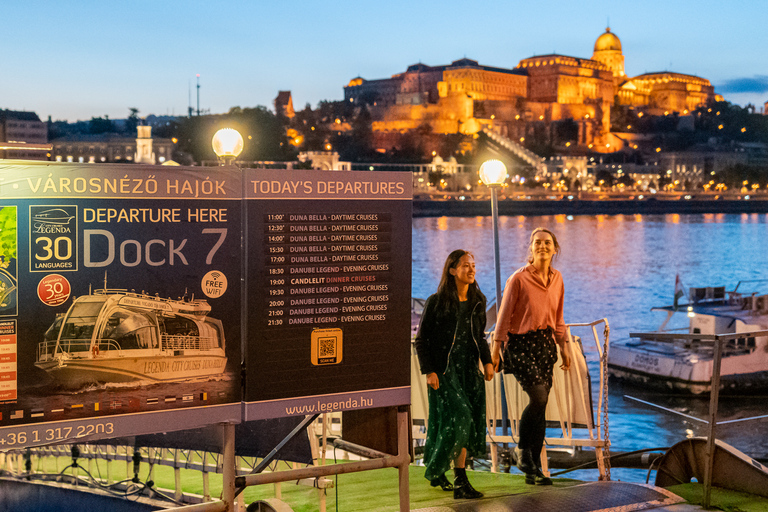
[(105, 280)]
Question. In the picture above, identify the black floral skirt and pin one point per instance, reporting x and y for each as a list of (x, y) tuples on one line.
[(530, 357)]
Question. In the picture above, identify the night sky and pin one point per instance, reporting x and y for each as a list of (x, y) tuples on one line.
[(80, 59)]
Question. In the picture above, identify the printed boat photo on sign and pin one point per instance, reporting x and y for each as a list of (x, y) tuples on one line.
[(113, 335), (8, 255)]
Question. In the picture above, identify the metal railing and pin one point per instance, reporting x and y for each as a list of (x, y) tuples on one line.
[(237, 472), (719, 343), (179, 342)]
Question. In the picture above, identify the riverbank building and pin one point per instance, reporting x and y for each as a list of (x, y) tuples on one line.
[(22, 127)]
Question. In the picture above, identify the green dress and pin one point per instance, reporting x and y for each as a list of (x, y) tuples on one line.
[(457, 407)]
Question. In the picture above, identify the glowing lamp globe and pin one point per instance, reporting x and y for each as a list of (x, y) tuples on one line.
[(227, 143), (493, 172)]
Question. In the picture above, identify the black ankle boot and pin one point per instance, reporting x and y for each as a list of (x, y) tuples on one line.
[(462, 489), (539, 478), (525, 461), (443, 482)]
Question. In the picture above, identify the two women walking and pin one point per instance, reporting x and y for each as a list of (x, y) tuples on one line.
[(452, 349)]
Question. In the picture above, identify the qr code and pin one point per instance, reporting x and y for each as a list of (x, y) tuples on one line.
[(327, 347)]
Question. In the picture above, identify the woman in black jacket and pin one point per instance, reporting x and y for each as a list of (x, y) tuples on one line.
[(449, 344)]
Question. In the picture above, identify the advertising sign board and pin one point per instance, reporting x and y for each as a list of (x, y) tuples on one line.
[(120, 300), (328, 291)]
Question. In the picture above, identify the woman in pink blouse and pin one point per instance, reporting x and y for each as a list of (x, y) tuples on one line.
[(530, 324)]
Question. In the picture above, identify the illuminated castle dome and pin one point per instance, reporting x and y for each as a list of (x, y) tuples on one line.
[(608, 41), (608, 52)]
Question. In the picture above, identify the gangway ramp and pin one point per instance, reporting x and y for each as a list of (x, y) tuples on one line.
[(588, 497)]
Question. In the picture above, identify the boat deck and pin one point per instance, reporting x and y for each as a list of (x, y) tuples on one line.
[(587, 497)]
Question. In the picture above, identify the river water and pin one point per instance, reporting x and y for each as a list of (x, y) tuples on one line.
[(618, 267)]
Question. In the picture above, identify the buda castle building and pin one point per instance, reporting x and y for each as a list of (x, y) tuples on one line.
[(465, 97)]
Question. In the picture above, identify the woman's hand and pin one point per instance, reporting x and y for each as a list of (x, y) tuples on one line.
[(433, 381), (565, 357), (496, 356), (488, 371)]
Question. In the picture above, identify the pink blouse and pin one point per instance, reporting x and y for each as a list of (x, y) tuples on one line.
[(528, 305)]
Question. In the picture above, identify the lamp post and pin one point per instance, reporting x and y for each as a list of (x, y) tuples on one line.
[(227, 144), (492, 174)]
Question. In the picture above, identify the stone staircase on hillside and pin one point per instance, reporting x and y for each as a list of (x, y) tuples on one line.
[(527, 156)]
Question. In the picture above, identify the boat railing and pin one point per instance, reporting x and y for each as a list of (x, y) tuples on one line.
[(185, 342), (738, 343), (46, 350), (105, 346)]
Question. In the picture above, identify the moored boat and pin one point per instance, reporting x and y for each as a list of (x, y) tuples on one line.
[(114, 335), (675, 359)]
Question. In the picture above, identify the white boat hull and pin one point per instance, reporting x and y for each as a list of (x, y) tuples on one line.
[(663, 367), (73, 372)]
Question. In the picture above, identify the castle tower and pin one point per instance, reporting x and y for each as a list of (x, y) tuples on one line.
[(608, 52), (144, 154)]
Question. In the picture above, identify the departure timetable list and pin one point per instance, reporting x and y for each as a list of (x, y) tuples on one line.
[(329, 269)]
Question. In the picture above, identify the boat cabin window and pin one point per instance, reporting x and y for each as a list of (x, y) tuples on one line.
[(80, 320), (210, 335), (131, 329), (53, 331), (748, 342), (180, 326)]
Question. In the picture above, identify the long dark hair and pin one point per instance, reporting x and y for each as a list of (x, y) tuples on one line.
[(447, 293)]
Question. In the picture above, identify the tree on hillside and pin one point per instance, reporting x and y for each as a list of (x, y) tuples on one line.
[(99, 125), (132, 121), (263, 135)]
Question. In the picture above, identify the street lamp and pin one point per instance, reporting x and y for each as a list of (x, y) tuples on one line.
[(227, 144), (493, 173)]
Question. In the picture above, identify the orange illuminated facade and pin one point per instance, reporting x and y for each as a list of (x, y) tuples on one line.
[(465, 96)]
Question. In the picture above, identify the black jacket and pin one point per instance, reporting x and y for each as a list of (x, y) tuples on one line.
[(436, 334)]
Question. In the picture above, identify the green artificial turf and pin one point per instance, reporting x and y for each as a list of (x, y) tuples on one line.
[(722, 499), (356, 492)]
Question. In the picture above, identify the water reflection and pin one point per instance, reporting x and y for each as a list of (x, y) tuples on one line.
[(618, 269)]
